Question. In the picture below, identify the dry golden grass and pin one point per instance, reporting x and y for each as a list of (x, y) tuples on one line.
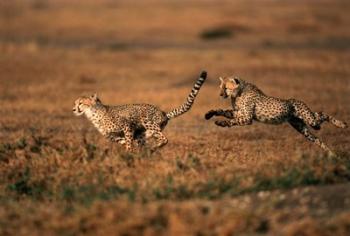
[(58, 176)]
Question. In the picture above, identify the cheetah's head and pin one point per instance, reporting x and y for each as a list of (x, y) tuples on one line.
[(229, 87), (84, 103)]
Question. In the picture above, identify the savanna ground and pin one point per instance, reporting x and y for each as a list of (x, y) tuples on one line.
[(58, 176)]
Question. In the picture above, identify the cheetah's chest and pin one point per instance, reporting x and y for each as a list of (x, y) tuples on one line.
[(103, 123)]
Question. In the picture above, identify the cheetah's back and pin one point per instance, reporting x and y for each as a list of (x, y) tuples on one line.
[(139, 113)]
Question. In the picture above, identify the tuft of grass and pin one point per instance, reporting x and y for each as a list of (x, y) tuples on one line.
[(128, 158), (191, 161), (89, 193), (24, 186)]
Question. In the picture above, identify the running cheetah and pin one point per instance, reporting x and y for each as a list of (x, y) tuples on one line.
[(250, 103), (133, 122)]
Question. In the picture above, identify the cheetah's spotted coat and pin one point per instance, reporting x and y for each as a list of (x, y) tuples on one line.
[(250, 103), (133, 122)]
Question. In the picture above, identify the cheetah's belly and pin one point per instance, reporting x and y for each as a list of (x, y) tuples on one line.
[(108, 127), (271, 112)]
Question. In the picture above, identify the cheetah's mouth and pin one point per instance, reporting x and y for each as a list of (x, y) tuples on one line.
[(77, 111)]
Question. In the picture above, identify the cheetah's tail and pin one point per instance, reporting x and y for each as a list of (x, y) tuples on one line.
[(190, 99)]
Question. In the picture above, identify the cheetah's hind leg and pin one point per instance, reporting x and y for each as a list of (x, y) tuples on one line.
[(314, 119), (155, 131), (302, 128), (321, 117)]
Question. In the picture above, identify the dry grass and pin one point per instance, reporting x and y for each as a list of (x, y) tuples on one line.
[(58, 176)]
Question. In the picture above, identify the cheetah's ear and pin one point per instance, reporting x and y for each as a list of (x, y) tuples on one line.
[(94, 96), (221, 79), (235, 80)]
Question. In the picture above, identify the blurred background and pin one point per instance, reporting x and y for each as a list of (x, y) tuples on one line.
[(158, 46), (59, 176)]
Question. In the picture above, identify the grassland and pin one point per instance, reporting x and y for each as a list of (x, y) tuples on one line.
[(58, 176)]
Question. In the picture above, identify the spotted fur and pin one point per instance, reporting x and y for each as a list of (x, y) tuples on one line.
[(125, 124), (249, 103)]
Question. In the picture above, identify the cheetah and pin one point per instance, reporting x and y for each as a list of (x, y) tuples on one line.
[(249, 103), (125, 124)]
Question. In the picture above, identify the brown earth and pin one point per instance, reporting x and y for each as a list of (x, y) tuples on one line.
[(58, 176)]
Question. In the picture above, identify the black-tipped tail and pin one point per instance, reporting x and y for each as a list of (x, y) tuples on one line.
[(190, 99)]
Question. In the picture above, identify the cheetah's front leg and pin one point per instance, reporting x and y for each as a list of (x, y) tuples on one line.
[(225, 113), (233, 122), (140, 141), (240, 118), (155, 131), (128, 134), (114, 137)]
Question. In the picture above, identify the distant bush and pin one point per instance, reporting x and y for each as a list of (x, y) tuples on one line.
[(223, 31), (216, 33), (40, 4)]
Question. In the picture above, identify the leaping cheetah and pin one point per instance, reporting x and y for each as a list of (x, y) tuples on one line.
[(133, 122), (250, 103)]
